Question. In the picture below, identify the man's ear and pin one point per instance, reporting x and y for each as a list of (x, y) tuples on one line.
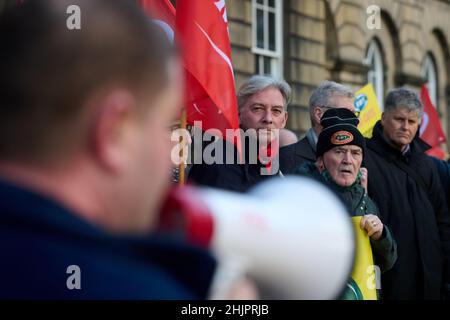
[(112, 130), (317, 114), (320, 164), (286, 116), (383, 118)]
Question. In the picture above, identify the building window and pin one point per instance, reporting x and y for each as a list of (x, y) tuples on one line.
[(430, 76), (375, 75), (267, 36)]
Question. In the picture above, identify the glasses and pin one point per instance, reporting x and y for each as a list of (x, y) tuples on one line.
[(356, 113)]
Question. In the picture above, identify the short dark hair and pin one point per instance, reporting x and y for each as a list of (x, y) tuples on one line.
[(48, 71)]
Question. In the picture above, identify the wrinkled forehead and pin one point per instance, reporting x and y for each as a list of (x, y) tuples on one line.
[(348, 147), (339, 101), (405, 112), (269, 96)]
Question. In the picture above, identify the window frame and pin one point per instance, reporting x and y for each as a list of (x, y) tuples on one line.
[(374, 54), (276, 56)]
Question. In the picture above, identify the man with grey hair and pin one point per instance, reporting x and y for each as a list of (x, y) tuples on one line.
[(328, 95), (405, 185), (262, 103)]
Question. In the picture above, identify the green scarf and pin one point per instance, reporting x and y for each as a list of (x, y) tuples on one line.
[(326, 175)]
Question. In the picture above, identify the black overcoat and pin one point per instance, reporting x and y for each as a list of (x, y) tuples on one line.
[(417, 214)]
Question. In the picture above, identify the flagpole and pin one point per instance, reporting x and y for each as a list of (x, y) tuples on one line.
[(182, 165)]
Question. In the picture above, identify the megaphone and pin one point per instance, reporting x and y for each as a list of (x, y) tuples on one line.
[(291, 235)]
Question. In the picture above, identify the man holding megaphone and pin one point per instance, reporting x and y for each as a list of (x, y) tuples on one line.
[(289, 251), (84, 156)]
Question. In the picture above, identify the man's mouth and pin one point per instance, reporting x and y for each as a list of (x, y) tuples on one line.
[(403, 135), (346, 171)]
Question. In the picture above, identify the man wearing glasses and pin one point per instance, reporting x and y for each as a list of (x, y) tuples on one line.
[(328, 95)]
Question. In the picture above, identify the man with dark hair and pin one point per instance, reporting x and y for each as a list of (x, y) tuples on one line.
[(405, 184), (84, 151)]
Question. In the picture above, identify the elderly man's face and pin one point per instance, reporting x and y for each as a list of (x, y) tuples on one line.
[(343, 163), (400, 126), (264, 110)]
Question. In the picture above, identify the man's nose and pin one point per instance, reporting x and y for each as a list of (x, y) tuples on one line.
[(405, 125), (268, 117), (347, 157)]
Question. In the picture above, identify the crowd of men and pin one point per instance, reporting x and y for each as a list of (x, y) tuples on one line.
[(84, 163), (401, 182)]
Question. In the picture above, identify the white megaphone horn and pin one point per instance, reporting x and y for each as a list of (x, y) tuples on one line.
[(292, 236)]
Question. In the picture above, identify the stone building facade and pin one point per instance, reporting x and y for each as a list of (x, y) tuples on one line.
[(387, 42)]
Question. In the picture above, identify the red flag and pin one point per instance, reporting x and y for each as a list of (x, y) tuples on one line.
[(430, 129), (163, 13), (202, 33), (437, 152)]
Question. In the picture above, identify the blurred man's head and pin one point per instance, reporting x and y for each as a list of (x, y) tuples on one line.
[(401, 117), (328, 95), (262, 103), (287, 137), (340, 147), (90, 107)]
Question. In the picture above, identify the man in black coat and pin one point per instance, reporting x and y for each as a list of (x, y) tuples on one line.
[(443, 168), (328, 95), (405, 185), (262, 103)]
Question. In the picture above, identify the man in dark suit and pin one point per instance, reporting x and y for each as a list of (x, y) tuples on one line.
[(262, 102), (405, 184)]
